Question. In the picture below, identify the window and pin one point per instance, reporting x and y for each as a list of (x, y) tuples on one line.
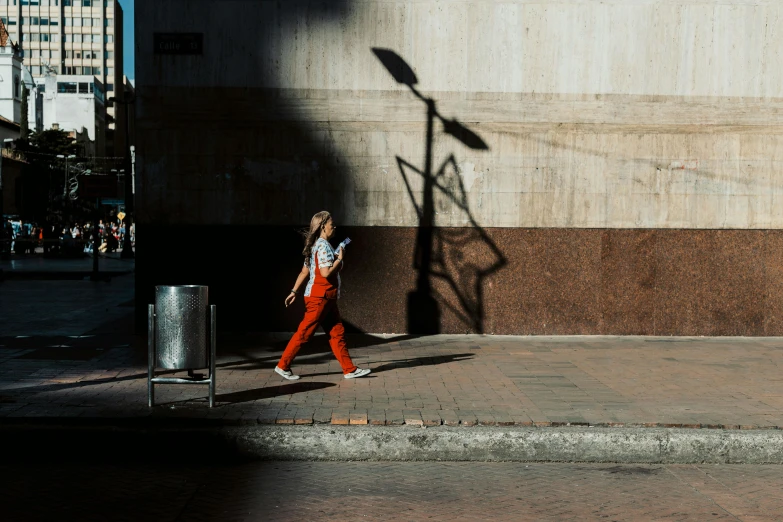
[(4, 19), (77, 22), (66, 87), (109, 55), (83, 88), (96, 71), (86, 3), (77, 38), (109, 87), (35, 20), (24, 20), (86, 22), (54, 21), (109, 38), (41, 87), (44, 21), (110, 71), (96, 22), (55, 38), (108, 22), (11, 20), (68, 21), (17, 87), (44, 37), (66, 3)]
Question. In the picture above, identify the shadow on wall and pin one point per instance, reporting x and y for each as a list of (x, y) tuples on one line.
[(451, 263), (202, 194)]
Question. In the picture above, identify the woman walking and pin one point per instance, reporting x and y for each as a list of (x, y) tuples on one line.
[(320, 297)]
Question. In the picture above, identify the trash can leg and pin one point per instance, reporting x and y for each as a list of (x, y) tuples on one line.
[(212, 353), (150, 355)]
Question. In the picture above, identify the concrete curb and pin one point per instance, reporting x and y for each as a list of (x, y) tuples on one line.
[(622, 445), (398, 443)]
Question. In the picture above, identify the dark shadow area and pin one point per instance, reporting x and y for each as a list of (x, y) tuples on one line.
[(423, 361), (409, 363), (260, 141), (271, 391), (447, 275)]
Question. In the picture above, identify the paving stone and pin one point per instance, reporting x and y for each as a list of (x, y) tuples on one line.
[(467, 418), (485, 418), (322, 416), (304, 416), (376, 417), (412, 417), (430, 417), (286, 416), (357, 417), (449, 417), (394, 417), (267, 416), (341, 417)]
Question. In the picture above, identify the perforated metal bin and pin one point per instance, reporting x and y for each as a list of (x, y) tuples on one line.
[(181, 336)]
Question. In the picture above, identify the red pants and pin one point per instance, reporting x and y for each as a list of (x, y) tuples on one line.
[(323, 311)]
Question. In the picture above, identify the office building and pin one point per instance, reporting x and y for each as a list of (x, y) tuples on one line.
[(72, 37)]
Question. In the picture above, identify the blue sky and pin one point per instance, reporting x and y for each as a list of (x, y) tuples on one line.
[(127, 41)]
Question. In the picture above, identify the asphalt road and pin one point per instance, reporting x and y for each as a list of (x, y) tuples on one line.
[(273, 491)]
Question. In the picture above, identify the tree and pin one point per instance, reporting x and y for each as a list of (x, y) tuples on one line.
[(45, 145), (43, 173), (25, 124)]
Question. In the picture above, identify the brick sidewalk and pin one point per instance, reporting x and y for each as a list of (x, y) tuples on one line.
[(282, 491), (467, 380)]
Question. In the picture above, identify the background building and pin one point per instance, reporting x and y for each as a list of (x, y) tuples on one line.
[(10, 82), (72, 37), (596, 167), (76, 104)]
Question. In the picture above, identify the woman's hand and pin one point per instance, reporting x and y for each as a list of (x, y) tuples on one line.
[(290, 299)]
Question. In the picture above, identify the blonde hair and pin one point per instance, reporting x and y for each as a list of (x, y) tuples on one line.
[(316, 224)]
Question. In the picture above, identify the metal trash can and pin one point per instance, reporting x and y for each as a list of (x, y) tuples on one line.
[(181, 336)]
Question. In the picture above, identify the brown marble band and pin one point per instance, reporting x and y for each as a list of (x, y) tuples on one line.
[(495, 281)]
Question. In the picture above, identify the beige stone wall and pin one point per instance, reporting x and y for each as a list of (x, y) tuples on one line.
[(618, 114)]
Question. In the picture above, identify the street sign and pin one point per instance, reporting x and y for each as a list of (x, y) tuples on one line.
[(178, 43), (98, 186)]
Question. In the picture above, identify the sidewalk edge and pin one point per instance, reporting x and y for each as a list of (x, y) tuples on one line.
[(402, 443)]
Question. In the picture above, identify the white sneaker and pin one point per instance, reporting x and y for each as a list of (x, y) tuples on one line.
[(287, 374), (358, 372)]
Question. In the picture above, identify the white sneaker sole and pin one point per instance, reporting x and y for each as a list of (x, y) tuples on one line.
[(360, 373), (290, 377)]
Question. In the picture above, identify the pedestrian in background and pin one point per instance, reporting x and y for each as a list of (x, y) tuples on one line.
[(323, 267)]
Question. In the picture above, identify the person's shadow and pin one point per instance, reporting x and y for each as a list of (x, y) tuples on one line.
[(409, 363)]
